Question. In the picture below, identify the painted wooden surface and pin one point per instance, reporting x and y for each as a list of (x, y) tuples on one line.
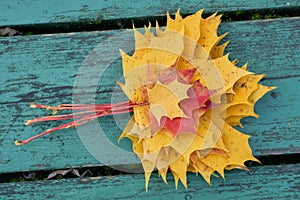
[(266, 182), (16, 12), (43, 68)]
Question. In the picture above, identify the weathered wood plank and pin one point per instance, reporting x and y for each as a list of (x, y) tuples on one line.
[(266, 182), (43, 12), (42, 68)]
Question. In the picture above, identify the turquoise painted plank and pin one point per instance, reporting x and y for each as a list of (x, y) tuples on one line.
[(43, 68), (17, 12), (265, 182)]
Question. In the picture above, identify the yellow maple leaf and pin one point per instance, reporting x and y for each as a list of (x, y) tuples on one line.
[(186, 44), (239, 151), (164, 99)]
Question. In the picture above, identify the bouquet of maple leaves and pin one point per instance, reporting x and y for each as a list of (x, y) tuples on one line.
[(185, 95)]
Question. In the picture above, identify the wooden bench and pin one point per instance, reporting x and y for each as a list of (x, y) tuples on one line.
[(42, 68)]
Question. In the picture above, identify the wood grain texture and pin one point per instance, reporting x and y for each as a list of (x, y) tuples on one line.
[(266, 182), (43, 68), (17, 12)]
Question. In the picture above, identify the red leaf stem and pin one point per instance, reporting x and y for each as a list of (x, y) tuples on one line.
[(88, 113)]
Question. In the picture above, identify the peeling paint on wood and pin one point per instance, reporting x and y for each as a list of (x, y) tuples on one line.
[(265, 182), (15, 12)]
